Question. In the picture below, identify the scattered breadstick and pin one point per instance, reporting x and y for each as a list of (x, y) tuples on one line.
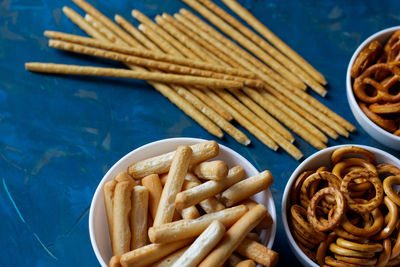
[(170, 259), (182, 229), (202, 245), (176, 176), (246, 263), (121, 235), (108, 191), (257, 252), (211, 170), (161, 164), (246, 188), (153, 184), (234, 236), (139, 215), (208, 189)]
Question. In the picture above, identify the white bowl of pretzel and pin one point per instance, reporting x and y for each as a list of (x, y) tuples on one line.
[(373, 86), (341, 208), (183, 201)]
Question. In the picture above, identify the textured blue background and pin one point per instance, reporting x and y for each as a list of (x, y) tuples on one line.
[(59, 135)]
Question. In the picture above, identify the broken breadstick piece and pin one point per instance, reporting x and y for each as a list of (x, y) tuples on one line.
[(211, 170)]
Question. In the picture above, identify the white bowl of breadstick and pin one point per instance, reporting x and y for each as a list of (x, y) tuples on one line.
[(381, 126), (148, 192), (339, 245)]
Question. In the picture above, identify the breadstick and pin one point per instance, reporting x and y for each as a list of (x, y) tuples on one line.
[(139, 215), (161, 164), (270, 36), (153, 184), (189, 212), (257, 252), (246, 188), (266, 47), (246, 263), (108, 191), (115, 261), (152, 253), (121, 235), (208, 189), (211, 170), (267, 222), (253, 236), (176, 176), (182, 229), (170, 259), (131, 74), (202, 245), (124, 176), (103, 30), (234, 236)]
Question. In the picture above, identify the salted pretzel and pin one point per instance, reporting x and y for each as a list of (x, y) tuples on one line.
[(387, 108), (366, 58), (388, 125)]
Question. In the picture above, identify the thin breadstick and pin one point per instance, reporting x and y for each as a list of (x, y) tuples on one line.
[(202, 245), (131, 74), (108, 191), (234, 34), (246, 263), (104, 30), (211, 170), (233, 260), (267, 222), (170, 259), (121, 235), (176, 176), (270, 36), (246, 188), (257, 252), (208, 189), (234, 236), (266, 47), (153, 184), (182, 229), (161, 164), (139, 215), (152, 253)]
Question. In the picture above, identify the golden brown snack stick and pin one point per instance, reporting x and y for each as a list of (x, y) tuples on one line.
[(267, 222), (270, 36), (211, 170), (139, 215), (182, 229), (104, 30), (153, 184), (202, 245), (176, 175), (233, 260), (190, 213), (252, 236), (170, 259), (246, 263), (161, 164), (121, 235), (115, 261), (152, 253), (266, 47), (124, 176), (108, 191), (257, 252), (209, 189), (246, 188), (132, 74), (234, 236)]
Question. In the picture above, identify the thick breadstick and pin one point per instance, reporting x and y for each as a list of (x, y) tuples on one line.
[(267, 222), (153, 184), (161, 164), (121, 236), (257, 252), (176, 176), (115, 261), (211, 170), (132, 74), (189, 212), (246, 263), (202, 245), (189, 228), (234, 236), (208, 189), (170, 259), (139, 215), (124, 176), (246, 188), (108, 191), (152, 253)]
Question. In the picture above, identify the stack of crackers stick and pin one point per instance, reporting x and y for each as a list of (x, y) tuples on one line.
[(207, 75), (181, 209)]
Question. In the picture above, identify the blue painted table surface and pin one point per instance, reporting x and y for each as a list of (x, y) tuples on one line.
[(59, 135)]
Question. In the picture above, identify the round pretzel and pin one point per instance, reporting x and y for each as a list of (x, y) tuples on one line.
[(310, 254), (388, 187), (357, 261), (367, 230), (393, 216), (343, 233), (385, 168), (359, 247), (388, 125), (366, 58), (337, 216), (387, 108), (370, 204), (393, 262), (337, 263), (340, 167), (343, 151), (323, 248), (349, 252), (307, 242), (295, 191), (392, 40), (297, 213), (385, 255)]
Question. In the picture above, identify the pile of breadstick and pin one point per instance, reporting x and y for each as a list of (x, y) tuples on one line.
[(208, 76), (178, 209)]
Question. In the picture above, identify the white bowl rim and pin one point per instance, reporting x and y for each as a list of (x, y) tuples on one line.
[(294, 175), (349, 86), (191, 139)]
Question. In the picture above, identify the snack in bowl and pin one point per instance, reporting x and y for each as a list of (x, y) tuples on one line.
[(343, 211), (172, 233)]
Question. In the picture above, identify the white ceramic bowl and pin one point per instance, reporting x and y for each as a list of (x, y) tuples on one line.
[(318, 159), (98, 229), (379, 134)]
